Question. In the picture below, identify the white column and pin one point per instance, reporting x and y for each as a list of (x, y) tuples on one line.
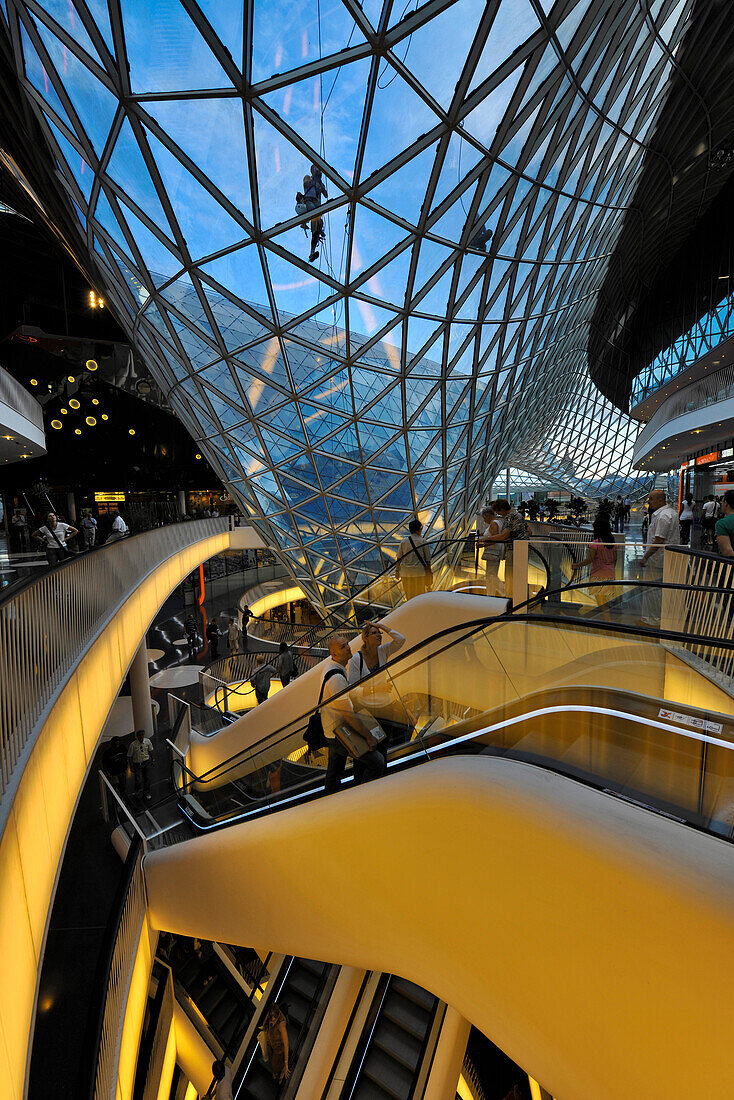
[(181, 502), (449, 1056), (140, 691)]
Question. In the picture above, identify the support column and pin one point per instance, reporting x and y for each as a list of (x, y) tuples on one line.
[(140, 691), (181, 502), (70, 508), (507, 484)]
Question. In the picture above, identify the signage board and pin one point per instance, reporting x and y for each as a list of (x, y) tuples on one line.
[(108, 498), (703, 460), (690, 720)]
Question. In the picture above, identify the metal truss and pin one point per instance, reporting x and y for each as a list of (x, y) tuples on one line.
[(405, 368)]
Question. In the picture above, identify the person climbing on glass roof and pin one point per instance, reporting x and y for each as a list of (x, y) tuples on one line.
[(480, 240), (313, 189)]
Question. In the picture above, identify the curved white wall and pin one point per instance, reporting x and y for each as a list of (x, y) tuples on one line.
[(591, 940)]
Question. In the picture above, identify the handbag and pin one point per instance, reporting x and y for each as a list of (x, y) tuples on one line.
[(314, 735), (64, 549), (426, 565)]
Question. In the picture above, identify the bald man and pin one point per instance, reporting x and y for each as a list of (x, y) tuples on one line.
[(340, 712), (664, 530)]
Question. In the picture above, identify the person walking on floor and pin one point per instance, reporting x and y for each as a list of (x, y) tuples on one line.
[(492, 553), (89, 529), (369, 764), (233, 636), (413, 566), (286, 663), (114, 762), (192, 636), (261, 678), (213, 633), (54, 535), (141, 756), (663, 530), (686, 518)]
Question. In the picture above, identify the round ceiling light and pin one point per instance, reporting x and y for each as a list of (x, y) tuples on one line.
[(91, 421), (74, 403), (56, 424), (91, 364)]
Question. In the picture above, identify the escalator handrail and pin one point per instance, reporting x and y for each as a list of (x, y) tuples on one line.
[(470, 628)]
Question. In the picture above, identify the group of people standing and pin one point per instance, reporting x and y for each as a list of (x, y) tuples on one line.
[(55, 534)]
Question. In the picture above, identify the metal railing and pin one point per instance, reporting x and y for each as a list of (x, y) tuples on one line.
[(704, 607), (19, 400), (706, 391), (113, 979), (47, 623)]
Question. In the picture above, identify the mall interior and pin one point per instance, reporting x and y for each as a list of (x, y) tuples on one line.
[(366, 403)]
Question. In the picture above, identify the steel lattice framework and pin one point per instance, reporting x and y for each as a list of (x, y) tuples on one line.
[(403, 369)]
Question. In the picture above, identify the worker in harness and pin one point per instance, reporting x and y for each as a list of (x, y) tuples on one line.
[(310, 199)]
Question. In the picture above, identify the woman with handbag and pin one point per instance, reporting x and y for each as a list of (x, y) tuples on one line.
[(55, 535)]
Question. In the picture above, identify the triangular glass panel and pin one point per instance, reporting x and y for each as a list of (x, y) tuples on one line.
[(483, 121), (228, 21), (101, 16), (403, 192), (366, 319), (78, 167), (129, 171), (323, 330), (206, 226), (92, 101), (67, 17), (448, 34), (329, 124), (235, 325), (299, 35), (389, 283), (373, 238), (450, 225), (240, 272), (398, 118), (167, 54), (513, 24), (434, 302), (211, 132), (39, 78), (296, 289), (160, 262), (432, 256)]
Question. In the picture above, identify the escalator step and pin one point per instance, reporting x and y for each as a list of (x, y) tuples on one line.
[(394, 1078), (212, 997), (415, 993), (407, 1016), (303, 981), (316, 968), (398, 1043), (369, 1090)]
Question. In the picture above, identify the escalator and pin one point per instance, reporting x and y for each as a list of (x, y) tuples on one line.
[(393, 1042), (216, 995), (301, 992)]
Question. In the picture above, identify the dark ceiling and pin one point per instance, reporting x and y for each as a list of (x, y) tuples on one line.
[(678, 226)]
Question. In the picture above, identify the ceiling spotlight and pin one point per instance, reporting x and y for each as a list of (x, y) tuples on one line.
[(91, 421), (74, 403), (95, 401), (105, 416), (95, 302), (70, 378), (91, 364), (143, 386), (25, 456), (77, 431), (56, 424), (198, 456), (64, 411), (8, 437), (34, 381), (131, 431)]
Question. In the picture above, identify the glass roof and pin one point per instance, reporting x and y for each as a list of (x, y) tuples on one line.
[(419, 318)]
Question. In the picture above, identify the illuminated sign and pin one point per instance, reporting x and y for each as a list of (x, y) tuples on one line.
[(704, 459), (108, 498), (727, 452)]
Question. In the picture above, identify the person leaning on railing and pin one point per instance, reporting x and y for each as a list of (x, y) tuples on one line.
[(725, 526)]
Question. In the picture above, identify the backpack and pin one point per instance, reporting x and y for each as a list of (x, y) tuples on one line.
[(314, 735)]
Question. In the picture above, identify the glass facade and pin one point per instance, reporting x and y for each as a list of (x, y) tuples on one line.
[(411, 360)]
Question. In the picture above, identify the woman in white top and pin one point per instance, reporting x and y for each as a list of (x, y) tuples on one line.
[(55, 534), (687, 516), (492, 554), (377, 696)]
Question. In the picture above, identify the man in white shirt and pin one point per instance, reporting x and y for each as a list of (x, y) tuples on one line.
[(709, 513), (119, 527), (664, 530), (341, 712), (414, 561), (141, 756), (54, 535)]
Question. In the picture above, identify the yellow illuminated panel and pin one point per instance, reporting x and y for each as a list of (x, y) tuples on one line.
[(463, 1090), (133, 1018), (276, 599), (169, 1064), (239, 696), (191, 1092)]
